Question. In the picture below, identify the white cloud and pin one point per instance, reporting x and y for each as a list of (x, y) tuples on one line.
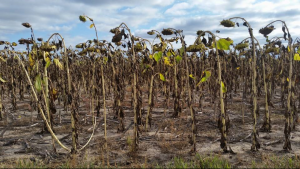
[(178, 9), (141, 16)]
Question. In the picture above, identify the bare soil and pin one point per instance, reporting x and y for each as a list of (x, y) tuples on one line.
[(21, 137)]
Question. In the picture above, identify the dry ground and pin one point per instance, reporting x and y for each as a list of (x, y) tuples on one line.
[(167, 138)]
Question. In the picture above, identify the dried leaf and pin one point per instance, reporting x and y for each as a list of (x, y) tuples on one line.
[(1, 58), (58, 64), (178, 58), (297, 57), (2, 80), (31, 60), (167, 61)]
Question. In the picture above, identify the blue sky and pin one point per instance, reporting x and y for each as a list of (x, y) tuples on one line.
[(56, 16)]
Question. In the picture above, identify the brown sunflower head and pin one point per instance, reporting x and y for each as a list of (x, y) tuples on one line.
[(48, 48), (272, 50), (23, 41), (26, 24), (167, 32), (117, 38), (138, 47), (227, 23), (114, 30), (266, 30), (195, 48), (136, 38), (118, 43), (241, 46), (80, 45), (151, 32), (200, 32)]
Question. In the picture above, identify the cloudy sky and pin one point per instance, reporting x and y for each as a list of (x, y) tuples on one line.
[(57, 16)]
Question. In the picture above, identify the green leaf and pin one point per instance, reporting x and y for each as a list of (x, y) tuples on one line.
[(297, 57), (191, 76), (48, 62), (181, 51), (158, 56), (223, 44), (147, 66), (267, 40), (2, 80), (169, 53), (38, 83), (105, 60), (145, 70), (164, 46), (162, 77), (204, 79), (58, 64), (207, 73), (224, 90), (178, 58)]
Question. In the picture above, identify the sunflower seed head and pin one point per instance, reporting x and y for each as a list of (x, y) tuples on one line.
[(118, 43), (138, 47), (80, 45), (227, 23), (241, 46), (115, 30), (151, 32), (82, 18), (272, 49), (167, 32), (195, 48), (199, 32), (26, 24), (266, 30)]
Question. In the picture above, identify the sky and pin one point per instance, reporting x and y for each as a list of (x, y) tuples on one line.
[(57, 16)]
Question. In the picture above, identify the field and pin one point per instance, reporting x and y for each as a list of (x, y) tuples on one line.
[(132, 103)]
